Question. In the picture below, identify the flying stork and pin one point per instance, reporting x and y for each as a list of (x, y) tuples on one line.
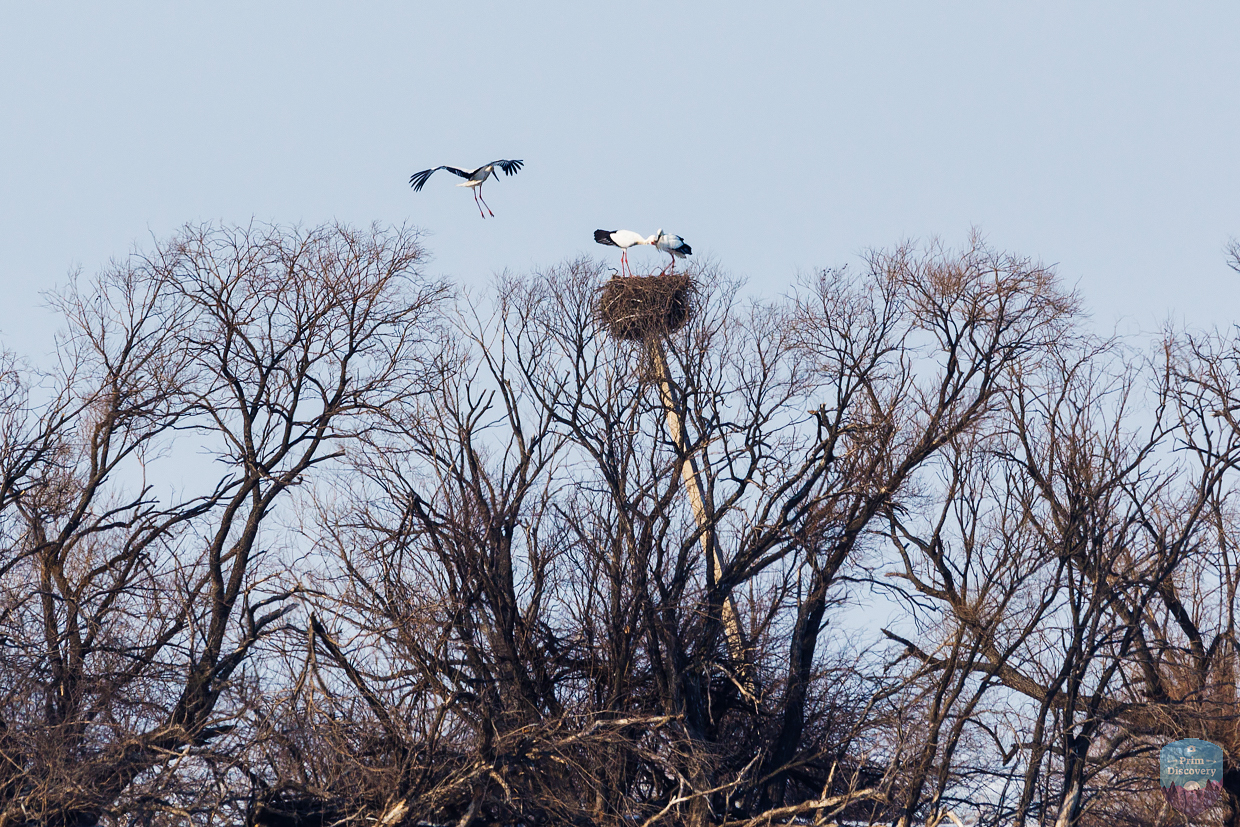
[(624, 239), (673, 245), (474, 178)]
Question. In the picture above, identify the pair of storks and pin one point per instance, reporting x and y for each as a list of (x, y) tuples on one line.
[(673, 245)]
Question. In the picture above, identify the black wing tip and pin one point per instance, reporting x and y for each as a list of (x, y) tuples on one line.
[(686, 249), (604, 237), (418, 179), (511, 167)]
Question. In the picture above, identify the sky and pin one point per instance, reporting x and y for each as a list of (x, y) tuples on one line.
[(1100, 137)]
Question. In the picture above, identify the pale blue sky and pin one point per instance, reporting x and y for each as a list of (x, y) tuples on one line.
[(776, 138)]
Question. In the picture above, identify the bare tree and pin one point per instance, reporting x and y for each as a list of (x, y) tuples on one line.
[(136, 572), (528, 523), (1117, 477), (290, 541)]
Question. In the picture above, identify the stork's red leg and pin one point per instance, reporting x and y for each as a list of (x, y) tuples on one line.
[(476, 204), (484, 203)]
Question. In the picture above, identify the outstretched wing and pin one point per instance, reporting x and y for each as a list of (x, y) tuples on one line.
[(418, 179), (604, 237), (509, 167)]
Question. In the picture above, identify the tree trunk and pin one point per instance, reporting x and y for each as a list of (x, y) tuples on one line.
[(699, 501)]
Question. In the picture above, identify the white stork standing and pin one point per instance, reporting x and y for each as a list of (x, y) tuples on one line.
[(624, 239), (474, 178), (673, 245)]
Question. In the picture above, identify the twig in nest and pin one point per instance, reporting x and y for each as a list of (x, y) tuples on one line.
[(637, 308)]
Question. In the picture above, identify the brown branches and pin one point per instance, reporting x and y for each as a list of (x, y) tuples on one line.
[(291, 540), (639, 308), (137, 585)]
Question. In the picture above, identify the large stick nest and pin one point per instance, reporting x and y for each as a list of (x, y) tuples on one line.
[(638, 308)]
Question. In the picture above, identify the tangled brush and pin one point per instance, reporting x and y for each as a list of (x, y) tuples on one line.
[(638, 308)]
